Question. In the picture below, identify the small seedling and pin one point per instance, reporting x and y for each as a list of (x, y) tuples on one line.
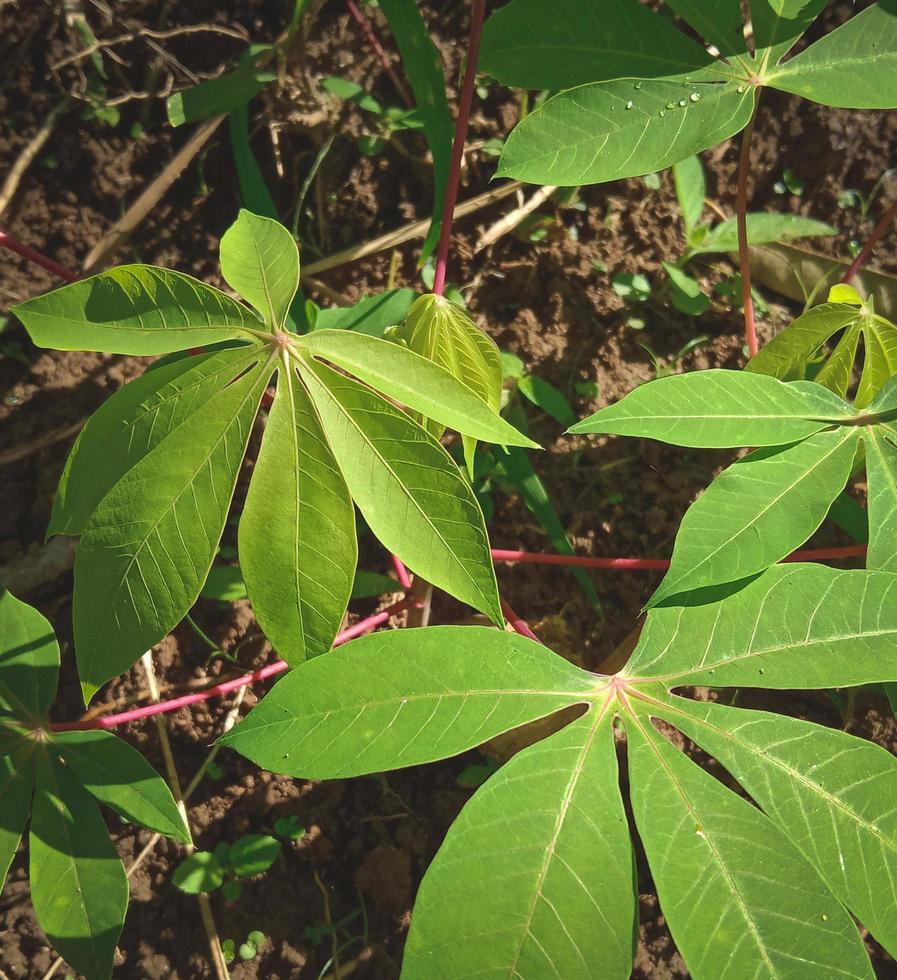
[(209, 871), (289, 827)]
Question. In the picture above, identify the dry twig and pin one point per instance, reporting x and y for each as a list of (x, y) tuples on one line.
[(25, 158)]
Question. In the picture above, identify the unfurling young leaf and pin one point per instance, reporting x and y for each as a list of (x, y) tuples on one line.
[(536, 876), (150, 480)]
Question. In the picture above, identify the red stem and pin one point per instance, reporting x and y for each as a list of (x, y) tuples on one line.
[(14, 245), (454, 177), (378, 50), (876, 236), (516, 623), (744, 164)]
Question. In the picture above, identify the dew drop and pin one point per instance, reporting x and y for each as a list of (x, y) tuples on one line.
[(741, 89), (637, 85), (630, 104), (683, 103), (671, 105), (760, 670), (824, 917), (663, 112), (694, 97)]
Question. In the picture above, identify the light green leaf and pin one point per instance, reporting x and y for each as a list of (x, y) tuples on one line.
[(758, 511), (778, 24), (78, 884), (762, 228), (533, 45), (260, 260), (16, 786), (610, 130), (836, 373), (408, 488), (349, 91), (149, 545), (135, 309), (200, 872), (120, 777), (427, 694), (880, 365), (881, 471), (828, 791), (423, 63), (29, 660), (796, 626), (686, 293), (217, 95), (717, 409), (371, 315), (545, 396), (691, 189), (131, 423), (253, 854), (751, 905), (853, 67), (297, 532), (424, 384), (557, 897), (225, 583)]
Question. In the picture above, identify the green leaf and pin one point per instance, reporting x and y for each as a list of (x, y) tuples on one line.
[(149, 545), (609, 130), (201, 872), (881, 471), (762, 228), (545, 396), (827, 790), (133, 422), (778, 24), (350, 91), (796, 626), (120, 777), (423, 63), (408, 488), (254, 854), (853, 67), (424, 384), (717, 409), (16, 786), (297, 532), (717, 21), (78, 884), (260, 260), (758, 511), (686, 293), (135, 309), (533, 45), (371, 315), (254, 191), (29, 660), (691, 189), (225, 583), (755, 897), (217, 95), (557, 897), (369, 585), (427, 694)]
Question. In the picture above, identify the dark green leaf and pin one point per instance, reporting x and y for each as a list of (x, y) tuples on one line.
[(16, 786), (29, 660), (201, 872), (217, 95), (254, 854)]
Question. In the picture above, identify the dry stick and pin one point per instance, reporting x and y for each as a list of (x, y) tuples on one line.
[(377, 48), (31, 150), (106, 249), (18, 453), (205, 905), (744, 261), (509, 222), (876, 236)]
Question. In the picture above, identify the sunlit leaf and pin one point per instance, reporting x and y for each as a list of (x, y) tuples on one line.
[(29, 660)]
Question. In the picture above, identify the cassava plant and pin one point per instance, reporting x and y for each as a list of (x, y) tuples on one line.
[(149, 482)]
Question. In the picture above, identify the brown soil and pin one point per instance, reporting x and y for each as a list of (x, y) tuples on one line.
[(551, 302)]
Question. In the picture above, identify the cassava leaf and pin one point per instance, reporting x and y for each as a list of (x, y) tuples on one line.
[(778, 24), (120, 777), (553, 825), (260, 260), (881, 471), (719, 409), (149, 545), (469, 684), (135, 309), (796, 626), (719, 22), (131, 423), (531, 44), (16, 786), (425, 384), (853, 67), (691, 189), (756, 907), (29, 661), (78, 884), (297, 532), (758, 511), (371, 315), (609, 130), (762, 228), (825, 789), (408, 488)]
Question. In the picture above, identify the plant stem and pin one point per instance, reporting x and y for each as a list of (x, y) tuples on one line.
[(32, 255), (209, 642), (375, 45), (878, 232), (454, 177), (750, 326)]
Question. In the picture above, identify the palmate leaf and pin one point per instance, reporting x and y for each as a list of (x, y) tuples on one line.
[(29, 660), (16, 787), (778, 24), (149, 482), (535, 878)]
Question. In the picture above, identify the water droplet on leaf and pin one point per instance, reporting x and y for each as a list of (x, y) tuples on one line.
[(630, 104), (695, 97)]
